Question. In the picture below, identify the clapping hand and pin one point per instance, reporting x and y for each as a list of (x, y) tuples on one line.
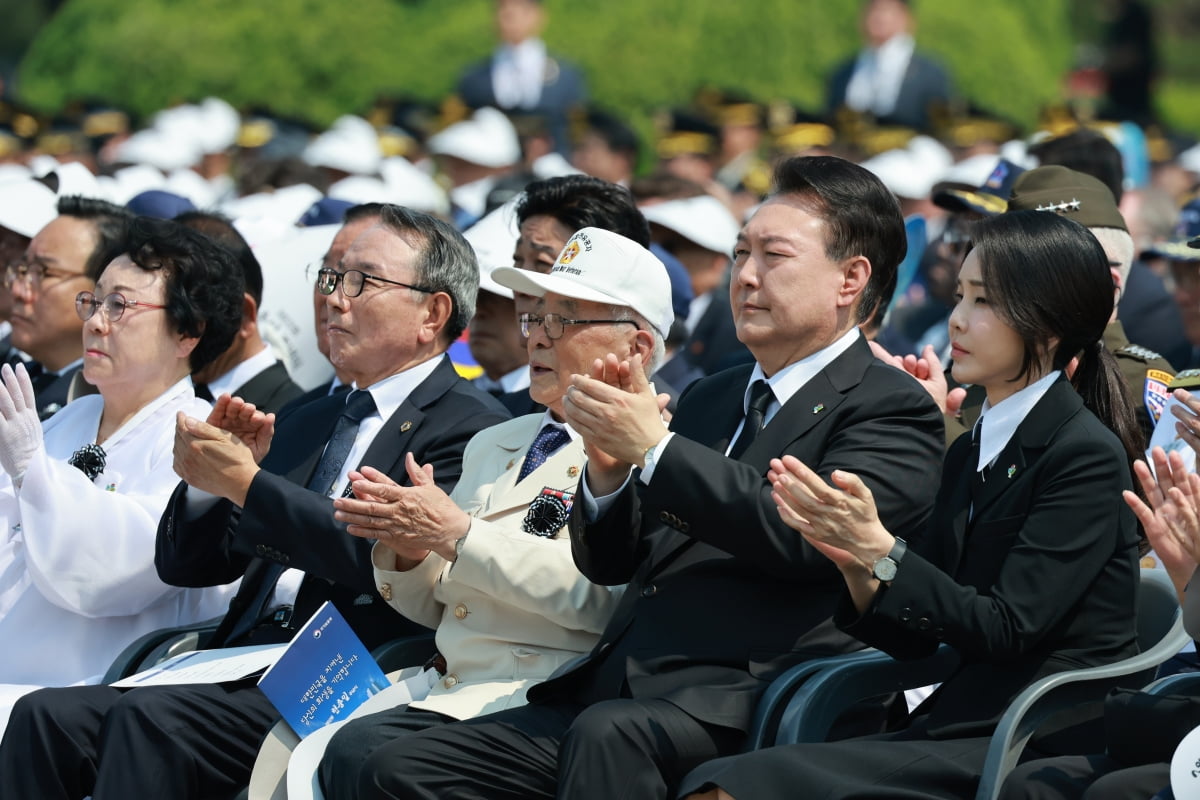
[(250, 426), (1187, 417), (840, 520), (409, 520), (618, 415), (1171, 517), (929, 373), (20, 429)]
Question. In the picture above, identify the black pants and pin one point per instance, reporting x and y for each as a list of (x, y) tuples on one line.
[(897, 766), (195, 741), (1096, 777), (350, 747), (614, 749)]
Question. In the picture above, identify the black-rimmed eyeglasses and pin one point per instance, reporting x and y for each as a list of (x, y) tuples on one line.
[(114, 305), (555, 324), (353, 280)]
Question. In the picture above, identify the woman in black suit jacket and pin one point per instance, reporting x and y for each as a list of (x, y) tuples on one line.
[(1029, 565)]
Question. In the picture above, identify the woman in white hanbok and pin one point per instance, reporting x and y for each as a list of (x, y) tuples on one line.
[(80, 500)]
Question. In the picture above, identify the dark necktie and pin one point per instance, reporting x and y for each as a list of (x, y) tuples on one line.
[(978, 476), (549, 439), (203, 392), (760, 397), (359, 404)]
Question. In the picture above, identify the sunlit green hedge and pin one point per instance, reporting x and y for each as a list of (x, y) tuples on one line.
[(319, 58)]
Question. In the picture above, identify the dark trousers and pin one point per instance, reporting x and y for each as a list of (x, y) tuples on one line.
[(195, 741), (615, 749), (897, 766), (1096, 777), (358, 739)]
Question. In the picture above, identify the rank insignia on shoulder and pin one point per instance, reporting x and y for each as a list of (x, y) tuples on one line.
[(548, 512), (1188, 379), (1139, 352), (1156, 392)]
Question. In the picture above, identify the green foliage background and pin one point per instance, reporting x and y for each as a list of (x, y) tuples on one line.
[(319, 59)]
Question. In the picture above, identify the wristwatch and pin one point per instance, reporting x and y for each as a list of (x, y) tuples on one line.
[(884, 569)]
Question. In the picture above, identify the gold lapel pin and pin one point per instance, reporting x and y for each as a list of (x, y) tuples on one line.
[(572, 472), (405, 426), (1012, 470), (510, 464), (818, 408)]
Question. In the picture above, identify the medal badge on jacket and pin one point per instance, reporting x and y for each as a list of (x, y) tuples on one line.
[(548, 512)]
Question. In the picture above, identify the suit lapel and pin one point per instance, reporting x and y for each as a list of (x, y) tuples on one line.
[(313, 424), (814, 401), (390, 445), (1057, 405), (560, 471)]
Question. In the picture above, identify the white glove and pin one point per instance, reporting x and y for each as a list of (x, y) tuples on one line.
[(20, 429)]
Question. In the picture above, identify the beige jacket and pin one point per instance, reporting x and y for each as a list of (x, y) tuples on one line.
[(513, 607)]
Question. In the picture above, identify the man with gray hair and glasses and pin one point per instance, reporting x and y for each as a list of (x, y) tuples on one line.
[(262, 509)]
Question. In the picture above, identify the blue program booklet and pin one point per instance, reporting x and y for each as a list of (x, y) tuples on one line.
[(324, 674)]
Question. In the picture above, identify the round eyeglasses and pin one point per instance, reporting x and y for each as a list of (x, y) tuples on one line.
[(555, 324), (114, 305), (353, 280)]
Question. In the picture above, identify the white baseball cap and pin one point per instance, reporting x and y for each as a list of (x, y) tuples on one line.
[(27, 206), (603, 267), (703, 220)]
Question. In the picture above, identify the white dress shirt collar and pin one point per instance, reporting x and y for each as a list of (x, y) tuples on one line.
[(393, 390), (242, 373), (1004, 418), (789, 380)]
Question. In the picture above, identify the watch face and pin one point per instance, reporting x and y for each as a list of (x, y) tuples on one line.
[(884, 569)]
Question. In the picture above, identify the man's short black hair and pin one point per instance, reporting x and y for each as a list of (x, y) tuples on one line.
[(220, 228), (362, 211), (862, 217), (109, 220), (617, 136), (1086, 151), (581, 201)]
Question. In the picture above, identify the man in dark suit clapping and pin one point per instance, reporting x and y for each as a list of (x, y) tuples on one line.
[(721, 595)]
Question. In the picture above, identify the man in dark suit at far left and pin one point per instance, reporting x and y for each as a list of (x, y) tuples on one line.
[(248, 369), (62, 260), (261, 508), (521, 76)]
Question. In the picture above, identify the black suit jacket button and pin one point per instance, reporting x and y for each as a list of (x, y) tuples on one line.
[(905, 614), (260, 549), (684, 526), (649, 591), (663, 516), (604, 648), (923, 624)]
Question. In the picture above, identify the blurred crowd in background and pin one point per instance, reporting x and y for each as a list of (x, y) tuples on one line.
[(524, 114)]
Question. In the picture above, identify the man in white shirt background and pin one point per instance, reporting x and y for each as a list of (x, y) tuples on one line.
[(888, 79)]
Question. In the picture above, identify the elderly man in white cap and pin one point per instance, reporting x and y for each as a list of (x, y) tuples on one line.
[(490, 566)]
